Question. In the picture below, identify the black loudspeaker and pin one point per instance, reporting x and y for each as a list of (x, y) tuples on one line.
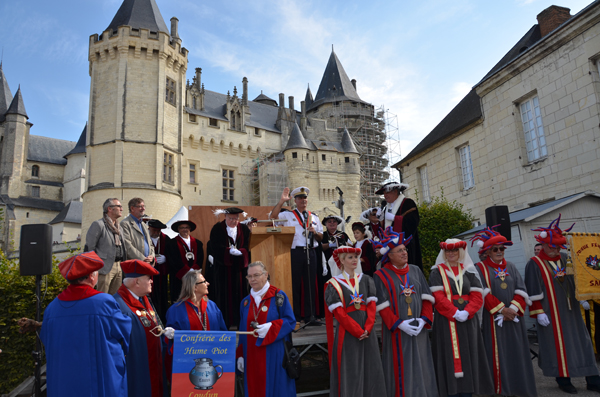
[(35, 253), (498, 215)]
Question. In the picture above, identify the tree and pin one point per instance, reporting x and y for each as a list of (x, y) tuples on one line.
[(440, 219)]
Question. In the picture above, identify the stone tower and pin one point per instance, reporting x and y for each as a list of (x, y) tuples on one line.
[(134, 143)]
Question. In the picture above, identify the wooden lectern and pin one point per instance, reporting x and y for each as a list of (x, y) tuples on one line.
[(272, 246)]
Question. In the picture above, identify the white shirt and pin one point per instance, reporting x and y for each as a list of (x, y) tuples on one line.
[(231, 232), (187, 241), (299, 239)]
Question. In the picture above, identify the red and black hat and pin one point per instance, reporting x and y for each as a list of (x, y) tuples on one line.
[(344, 250), (553, 235), (488, 237)]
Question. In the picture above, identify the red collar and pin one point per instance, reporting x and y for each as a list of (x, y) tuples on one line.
[(76, 292), (123, 291), (543, 255), (495, 265), (393, 268)]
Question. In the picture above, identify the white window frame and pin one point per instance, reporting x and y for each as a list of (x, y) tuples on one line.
[(466, 167), (168, 168), (424, 184), (533, 129)]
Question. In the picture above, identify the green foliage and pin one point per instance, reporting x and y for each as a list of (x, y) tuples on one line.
[(17, 300), (440, 219)]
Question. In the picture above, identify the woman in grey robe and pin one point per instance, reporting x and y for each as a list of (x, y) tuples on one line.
[(354, 358), (504, 332), (405, 304), (458, 350)]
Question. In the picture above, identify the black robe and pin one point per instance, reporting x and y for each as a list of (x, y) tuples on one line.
[(407, 220), (179, 265), (228, 272), (160, 286)]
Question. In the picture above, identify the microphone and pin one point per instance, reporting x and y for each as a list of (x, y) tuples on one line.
[(309, 234)]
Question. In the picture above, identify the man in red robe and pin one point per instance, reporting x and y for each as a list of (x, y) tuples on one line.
[(184, 253), (160, 288)]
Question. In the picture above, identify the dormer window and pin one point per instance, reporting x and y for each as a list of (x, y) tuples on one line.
[(35, 171)]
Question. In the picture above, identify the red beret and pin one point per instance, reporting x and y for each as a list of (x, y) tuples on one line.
[(450, 246), (344, 250), (80, 265), (136, 268)]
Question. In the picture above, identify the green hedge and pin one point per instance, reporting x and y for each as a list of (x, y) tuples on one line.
[(17, 299), (440, 219)]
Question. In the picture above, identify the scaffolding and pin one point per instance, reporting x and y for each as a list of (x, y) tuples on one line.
[(375, 133), (263, 179)]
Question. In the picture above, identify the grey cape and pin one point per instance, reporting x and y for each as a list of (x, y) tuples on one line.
[(507, 347), (476, 376), (577, 357), (359, 372), (407, 360)]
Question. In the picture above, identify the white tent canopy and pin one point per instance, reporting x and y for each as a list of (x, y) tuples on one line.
[(181, 215)]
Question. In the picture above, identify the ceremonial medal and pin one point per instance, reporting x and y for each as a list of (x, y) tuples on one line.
[(145, 321), (356, 298), (461, 300), (189, 256), (264, 308), (502, 274), (139, 313), (407, 290), (254, 324), (503, 285), (356, 305), (408, 299)]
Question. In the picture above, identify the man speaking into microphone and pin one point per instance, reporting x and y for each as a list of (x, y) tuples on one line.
[(309, 233)]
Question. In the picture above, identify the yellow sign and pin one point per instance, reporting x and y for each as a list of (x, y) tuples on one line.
[(585, 256)]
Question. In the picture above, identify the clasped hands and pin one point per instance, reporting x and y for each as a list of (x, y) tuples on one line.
[(412, 330)]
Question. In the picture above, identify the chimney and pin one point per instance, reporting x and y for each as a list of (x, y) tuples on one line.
[(303, 108), (281, 100), (174, 22), (291, 99), (354, 83), (551, 18), (244, 91), (198, 77)]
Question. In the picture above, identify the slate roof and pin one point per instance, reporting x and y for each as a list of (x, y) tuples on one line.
[(296, 140), (17, 106), (529, 214), (139, 14), (262, 116), (262, 98), (71, 213), (335, 85), (31, 202), (308, 98), (346, 144), (5, 94), (48, 150), (468, 109), (80, 146)]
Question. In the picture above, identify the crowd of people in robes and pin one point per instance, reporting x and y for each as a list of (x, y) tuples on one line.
[(459, 333)]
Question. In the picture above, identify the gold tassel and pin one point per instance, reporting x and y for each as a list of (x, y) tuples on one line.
[(409, 311)]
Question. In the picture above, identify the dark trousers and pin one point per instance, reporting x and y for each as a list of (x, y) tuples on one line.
[(304, 283)]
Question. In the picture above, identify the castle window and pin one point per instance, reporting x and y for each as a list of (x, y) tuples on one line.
[(424, 184), (35, 191), (213, 122), (192, 118), (466, 167), (168, 168), (347, 159), (194, 102), (256, 132), (35, 171), (323, 157), (170, 91), (294, 155), (192, 173), (228, 185)]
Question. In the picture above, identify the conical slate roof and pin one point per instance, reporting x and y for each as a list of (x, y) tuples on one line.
[(80, 146), (347, 144), (17, 106), (296, 140), (308, 99), (335, 84), (262, 98), (5, 95), (139, 14)]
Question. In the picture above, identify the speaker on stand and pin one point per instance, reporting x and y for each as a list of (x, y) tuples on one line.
[(498, 215), (35, 259)]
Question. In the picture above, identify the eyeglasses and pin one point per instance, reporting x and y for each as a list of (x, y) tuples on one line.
[(119, 206), (139, 206), (254, 276), (496, 249), (201, 282), (399, 251)]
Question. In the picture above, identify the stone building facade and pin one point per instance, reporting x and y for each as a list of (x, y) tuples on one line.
[(528, 132)]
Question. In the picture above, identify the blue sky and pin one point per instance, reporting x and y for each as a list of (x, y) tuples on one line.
[(415, 58)]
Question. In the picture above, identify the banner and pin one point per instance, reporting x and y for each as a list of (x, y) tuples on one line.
[(585, 256), (203, 364)]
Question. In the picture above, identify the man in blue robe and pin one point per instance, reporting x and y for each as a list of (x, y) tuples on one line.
[(85, 335)]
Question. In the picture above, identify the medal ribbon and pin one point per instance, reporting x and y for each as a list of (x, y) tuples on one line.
[(355, 288), (404, 287), (458, 279), (452, 322)]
